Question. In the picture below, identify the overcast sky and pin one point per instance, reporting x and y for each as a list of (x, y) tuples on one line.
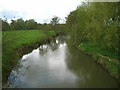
[(40, 10)]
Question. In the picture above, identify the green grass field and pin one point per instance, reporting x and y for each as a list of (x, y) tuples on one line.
[(22, 37), (16, 39)]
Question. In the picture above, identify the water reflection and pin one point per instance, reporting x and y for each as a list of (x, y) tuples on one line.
[(56, 65), (43, 67), (90, 74)]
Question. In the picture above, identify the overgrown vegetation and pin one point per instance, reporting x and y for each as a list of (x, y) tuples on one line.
[(93, 27)]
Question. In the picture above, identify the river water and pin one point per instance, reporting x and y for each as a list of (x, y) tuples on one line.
[(56, 65)]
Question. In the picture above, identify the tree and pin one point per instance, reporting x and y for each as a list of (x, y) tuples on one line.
[(96, 22), (5, 25), (55, 20), (20, 24), (13, 25), (31, 24)]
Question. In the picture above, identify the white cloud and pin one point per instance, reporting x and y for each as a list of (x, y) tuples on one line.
[(38, 9)]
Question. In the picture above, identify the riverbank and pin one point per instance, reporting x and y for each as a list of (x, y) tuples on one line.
[(17, 43), (106, 58)]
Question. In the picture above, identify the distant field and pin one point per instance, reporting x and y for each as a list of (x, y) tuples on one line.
[(15, 39)]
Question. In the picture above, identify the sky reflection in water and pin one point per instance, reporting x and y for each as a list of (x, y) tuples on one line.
[(44, 67)]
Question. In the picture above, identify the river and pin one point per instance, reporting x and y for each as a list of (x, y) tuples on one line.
[(56, 65)]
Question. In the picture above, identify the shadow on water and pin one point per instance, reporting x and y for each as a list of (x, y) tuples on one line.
[(90, 74), (56, 65)]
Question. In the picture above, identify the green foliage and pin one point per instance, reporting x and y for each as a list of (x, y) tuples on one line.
[(20, 24), (97, 22), (5, 25), (112, 67), (30, 24)]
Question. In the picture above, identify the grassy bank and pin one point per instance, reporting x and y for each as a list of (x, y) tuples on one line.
[(13, 41), (106, 58)]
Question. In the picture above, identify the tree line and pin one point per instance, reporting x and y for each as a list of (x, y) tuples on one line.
[(96, 22), (31, 24)]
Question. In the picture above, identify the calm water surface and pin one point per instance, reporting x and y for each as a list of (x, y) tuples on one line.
[(56, 65)]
